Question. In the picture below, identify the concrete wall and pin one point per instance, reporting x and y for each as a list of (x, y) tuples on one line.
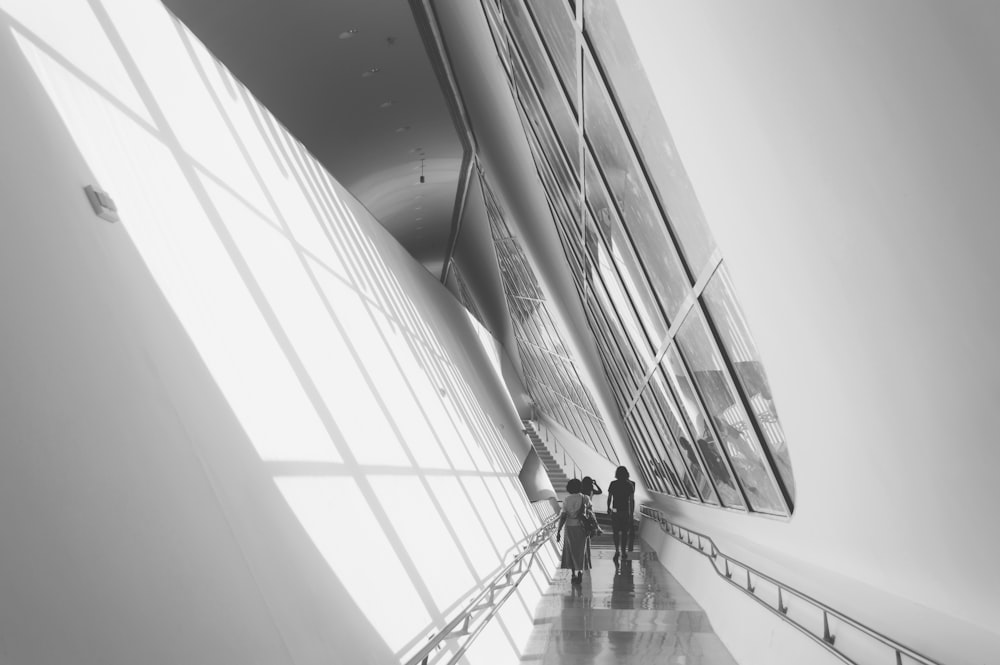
[(241, 424), (845, 155)]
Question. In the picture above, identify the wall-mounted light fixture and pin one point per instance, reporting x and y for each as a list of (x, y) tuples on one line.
[(421, 171)]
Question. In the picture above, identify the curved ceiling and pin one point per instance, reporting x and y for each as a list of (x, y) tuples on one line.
[(351, 80)]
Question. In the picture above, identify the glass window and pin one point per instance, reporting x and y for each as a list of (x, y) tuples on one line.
[(655, 471), (616, 336), (631, 195), (499, 32), (667, 443), (641, 349), (551, 93), (721, 304), (663, 444), (641, 458), (558, 28), (613, 47), (608, 276), (728, 415), (539, 122), (704, 436), (621, 251), (674, 421)]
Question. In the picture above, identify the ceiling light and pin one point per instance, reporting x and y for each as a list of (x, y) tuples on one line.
[(404, 128), (386, 104), (370, 72), (347, 34)]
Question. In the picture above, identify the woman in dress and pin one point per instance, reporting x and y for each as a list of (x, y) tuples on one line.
[(576, 549)]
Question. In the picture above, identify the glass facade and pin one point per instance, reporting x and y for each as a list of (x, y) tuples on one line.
[(550, 375), (675, 347)]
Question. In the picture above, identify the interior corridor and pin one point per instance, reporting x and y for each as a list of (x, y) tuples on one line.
[(628, 612)]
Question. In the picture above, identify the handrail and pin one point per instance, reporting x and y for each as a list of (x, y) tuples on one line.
[(567, 458), (487, 598), (784, 592)]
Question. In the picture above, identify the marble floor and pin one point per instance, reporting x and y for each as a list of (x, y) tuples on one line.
[(626, 612)]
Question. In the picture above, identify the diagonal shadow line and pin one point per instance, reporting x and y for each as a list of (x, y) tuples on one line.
[(311, 468), (120, 106), (173, 144), (246, 155), (434, 499), (380, 267)]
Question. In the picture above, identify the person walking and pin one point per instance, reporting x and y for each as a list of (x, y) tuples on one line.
[(621, 506), (576, 548)]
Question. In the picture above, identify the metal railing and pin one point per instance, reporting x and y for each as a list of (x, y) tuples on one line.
[(749, 579), (476, 614), (568, 463)]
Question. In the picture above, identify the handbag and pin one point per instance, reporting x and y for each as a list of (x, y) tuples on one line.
[(589, 521)]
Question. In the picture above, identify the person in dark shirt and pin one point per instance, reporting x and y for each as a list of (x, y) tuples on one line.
[(621, 506)]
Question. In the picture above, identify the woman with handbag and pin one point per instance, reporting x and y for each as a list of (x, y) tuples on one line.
[(576, 549)]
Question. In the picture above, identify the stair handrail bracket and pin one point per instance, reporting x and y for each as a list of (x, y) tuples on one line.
[(507, 579), (748, 580)]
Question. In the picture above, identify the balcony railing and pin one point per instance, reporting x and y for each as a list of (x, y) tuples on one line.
[(475, 616), (813, 618)]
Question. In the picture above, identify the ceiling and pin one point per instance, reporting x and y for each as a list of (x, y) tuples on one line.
[(352, 80)]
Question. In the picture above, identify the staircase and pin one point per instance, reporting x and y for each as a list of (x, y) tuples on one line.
[(557, 475)]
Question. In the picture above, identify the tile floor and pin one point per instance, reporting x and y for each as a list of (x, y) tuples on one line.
[(630, 612)]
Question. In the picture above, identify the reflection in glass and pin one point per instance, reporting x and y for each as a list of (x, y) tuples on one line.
[(539, 124), (720, 301), (728, 415), (620, 249), (661, 468), (641, 457), (632, 196), (608, 35), (675, 423), (640, 347), (664, 445), (699, 427), (558, 29), (654, 471), (608, 276), (552, 97)]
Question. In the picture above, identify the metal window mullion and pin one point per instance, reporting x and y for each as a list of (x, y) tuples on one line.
[(645, 457), (660, 447), (669, 398), (769, 465), (620, 218), (696, 394), (546, 119), (550, 60), (633, 144)]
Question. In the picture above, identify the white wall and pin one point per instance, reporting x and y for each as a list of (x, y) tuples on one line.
[(845, 154), (242, 424)]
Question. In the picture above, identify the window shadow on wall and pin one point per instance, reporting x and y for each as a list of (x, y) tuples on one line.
[(364, 416)]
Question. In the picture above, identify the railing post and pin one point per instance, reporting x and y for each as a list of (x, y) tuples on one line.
[(781, 606), (828, 637)]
